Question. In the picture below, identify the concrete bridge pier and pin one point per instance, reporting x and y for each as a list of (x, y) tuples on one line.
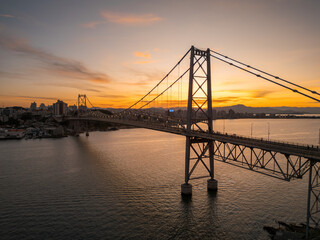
[(212, 185), (87, 129), (186, 189), (77, 128)]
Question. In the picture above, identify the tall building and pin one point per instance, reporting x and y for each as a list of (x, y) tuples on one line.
[(33, 106), (60, 108), (42, 106)]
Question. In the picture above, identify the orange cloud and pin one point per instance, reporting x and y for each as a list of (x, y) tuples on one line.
[(139, 83), (130, 19), (142, 54)]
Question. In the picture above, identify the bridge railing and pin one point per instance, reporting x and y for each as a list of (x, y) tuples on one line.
[(284, 143), (164, 122), (179, 123)]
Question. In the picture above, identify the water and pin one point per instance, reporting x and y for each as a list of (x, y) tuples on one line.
[(126, 185)]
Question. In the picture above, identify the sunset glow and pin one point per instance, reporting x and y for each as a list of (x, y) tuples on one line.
[(116, 51)]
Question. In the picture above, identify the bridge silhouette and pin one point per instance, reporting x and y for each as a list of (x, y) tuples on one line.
[(181, 103)]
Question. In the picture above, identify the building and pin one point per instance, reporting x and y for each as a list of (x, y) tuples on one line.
[(72, 108), (60, 108), (42, 106), (33, 106), (7, 111), (11, 133)]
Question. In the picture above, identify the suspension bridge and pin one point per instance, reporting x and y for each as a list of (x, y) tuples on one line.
[(181, 103)]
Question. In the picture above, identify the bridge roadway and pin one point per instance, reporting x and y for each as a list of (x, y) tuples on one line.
[(300, 150)]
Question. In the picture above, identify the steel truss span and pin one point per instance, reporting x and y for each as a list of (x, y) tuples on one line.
[(272, 163), (285, 161), (314, 194)]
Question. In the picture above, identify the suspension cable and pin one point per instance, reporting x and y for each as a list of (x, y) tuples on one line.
[(165, 89), (172, 84), (257, 75), (271, 75), (90, 102), (158, 82)]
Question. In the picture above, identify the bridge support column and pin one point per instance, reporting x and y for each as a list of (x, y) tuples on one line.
[(199, 111), (77, 128), (313, 209), (87, 129), (212, 185), (186, 189)]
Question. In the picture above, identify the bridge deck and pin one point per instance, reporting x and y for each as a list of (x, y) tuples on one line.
[(306, 151)]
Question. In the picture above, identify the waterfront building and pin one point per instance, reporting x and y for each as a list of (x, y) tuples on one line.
[(4, 118), (11, 133), (42, 106), (55, 131), (7, 111), (33, 106), (60, 108)]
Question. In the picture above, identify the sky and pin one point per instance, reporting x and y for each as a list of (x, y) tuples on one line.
[(114, 51)]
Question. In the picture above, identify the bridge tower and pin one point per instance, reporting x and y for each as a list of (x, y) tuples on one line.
[(82, 103), (82, 108), (199, 151), (313, 204)]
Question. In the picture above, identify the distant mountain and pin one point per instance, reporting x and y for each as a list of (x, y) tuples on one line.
[(244, 109), (285, 110)]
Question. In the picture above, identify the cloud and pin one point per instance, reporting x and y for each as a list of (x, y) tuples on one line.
[(40, 98), (92, 90), (144, 76), (172, 103), (226, 99), (260, 93), (255, 93), (74, 85), (91, 24), (7, 15), (124, 19), (160, 50), (58, 65), (142, 54), (4, 74), (130, 19), (139, 83), (240, 96), (112, 96), (143, 62), (32, 97)]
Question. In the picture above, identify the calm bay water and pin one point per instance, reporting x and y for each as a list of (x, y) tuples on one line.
[(126, 185)]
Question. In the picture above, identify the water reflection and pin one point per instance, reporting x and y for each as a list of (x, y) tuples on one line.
[(126, 184)]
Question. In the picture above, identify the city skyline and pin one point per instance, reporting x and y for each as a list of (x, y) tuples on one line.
[(117, 50)]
